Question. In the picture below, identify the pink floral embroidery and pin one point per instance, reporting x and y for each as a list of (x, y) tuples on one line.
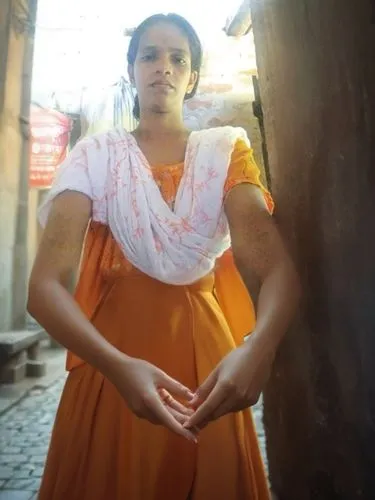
[(139, 232), (158, 244)]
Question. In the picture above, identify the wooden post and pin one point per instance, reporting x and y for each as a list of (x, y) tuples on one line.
[(317, 80)]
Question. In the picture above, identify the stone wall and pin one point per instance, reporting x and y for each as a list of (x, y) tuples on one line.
[(11, 144)]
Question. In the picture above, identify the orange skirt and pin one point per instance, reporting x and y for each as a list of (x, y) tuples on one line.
[(100, 451)]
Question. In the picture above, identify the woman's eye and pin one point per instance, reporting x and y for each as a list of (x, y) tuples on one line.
[(180, 60), (148, 57)]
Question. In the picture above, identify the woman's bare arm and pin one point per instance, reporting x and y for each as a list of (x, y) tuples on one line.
[(55, 267), (259, 251)]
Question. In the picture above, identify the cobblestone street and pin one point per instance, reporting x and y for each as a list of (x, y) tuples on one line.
[(25, 434), (24, 438)]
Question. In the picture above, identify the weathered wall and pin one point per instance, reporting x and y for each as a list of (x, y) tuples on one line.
[(10, 150), (16, 21), (317, 75)]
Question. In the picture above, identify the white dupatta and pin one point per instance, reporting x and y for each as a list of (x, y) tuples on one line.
[(177, 246)]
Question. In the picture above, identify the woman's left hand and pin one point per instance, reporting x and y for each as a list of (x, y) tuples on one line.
[(235, 384)]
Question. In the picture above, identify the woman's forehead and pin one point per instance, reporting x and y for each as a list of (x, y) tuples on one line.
[(165, 36)]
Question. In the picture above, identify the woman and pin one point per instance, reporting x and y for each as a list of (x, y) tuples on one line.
[(155, 335)]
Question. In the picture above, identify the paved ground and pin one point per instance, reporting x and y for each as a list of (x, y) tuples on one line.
[(24, 435)]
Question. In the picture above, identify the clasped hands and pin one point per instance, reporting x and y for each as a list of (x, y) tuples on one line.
[(235, 384)]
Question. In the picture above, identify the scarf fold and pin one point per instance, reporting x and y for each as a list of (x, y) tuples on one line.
[(177, 246)]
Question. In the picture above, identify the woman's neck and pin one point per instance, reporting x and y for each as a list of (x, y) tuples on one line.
[(160, 125)]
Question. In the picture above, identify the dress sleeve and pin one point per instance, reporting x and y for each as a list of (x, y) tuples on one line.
[(74, 174), (243, 169)]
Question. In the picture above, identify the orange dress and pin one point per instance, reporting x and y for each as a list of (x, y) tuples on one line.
[(101, 451)]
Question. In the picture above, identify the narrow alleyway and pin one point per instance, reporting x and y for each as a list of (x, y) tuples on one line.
[(24, 438)]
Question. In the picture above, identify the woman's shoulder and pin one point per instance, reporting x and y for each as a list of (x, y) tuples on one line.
[(223, 132), (102, 141), (225, 138)]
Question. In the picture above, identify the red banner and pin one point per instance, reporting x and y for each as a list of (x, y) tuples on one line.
[(49, 138)]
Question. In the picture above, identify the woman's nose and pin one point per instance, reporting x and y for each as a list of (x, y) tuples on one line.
[(164, 66), (164, 71)]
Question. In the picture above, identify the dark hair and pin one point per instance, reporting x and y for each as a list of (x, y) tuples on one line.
[(186, 28)]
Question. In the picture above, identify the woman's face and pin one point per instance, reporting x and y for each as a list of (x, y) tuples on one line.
[(162, 70)]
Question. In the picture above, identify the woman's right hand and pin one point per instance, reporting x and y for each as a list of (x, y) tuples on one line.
[(148, 392)]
